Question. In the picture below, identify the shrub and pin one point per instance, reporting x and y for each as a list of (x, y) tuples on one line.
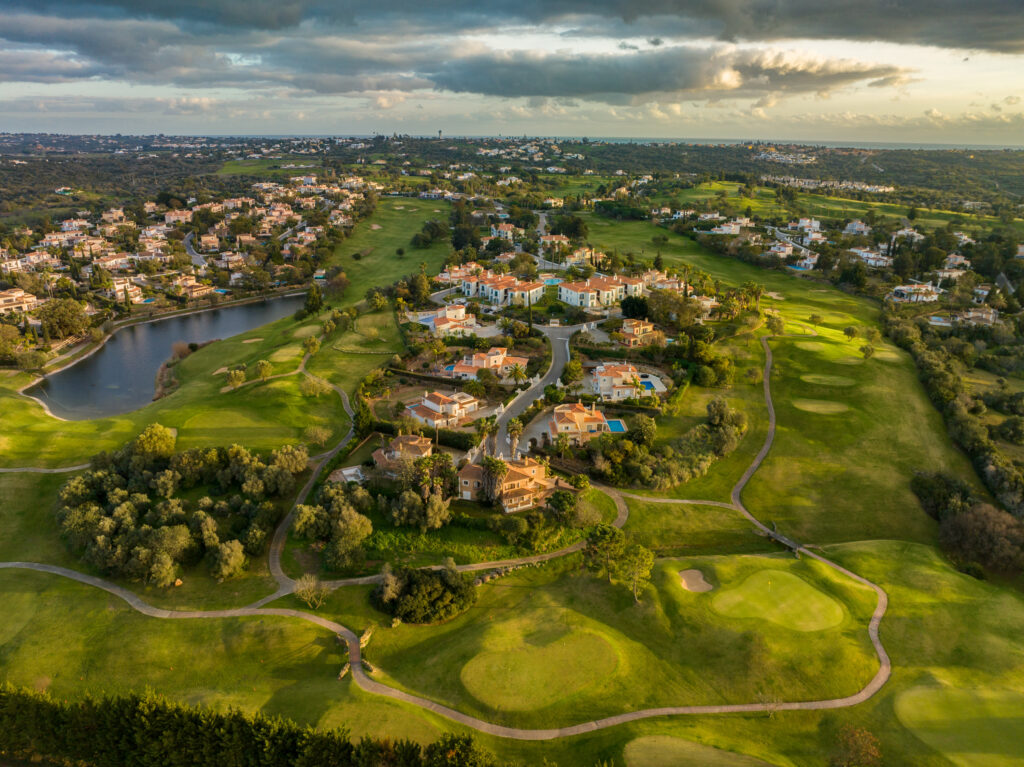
[(424, 596)]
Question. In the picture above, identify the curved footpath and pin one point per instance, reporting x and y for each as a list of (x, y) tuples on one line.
[(286, 585)]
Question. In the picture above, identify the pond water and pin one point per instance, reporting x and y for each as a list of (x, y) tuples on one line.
[(121, 376)]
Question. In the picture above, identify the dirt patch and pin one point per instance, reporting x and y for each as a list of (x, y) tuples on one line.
[(694, 580), (375, 227), (251, 340), (41, 683)]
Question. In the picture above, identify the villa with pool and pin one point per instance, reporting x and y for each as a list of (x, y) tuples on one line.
[(581, 423), (618, 381)]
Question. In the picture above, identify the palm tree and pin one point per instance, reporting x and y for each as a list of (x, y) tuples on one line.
[(438, 349), (638, 388), (515, 431), (494, 471), (562, 446), (518, 373)]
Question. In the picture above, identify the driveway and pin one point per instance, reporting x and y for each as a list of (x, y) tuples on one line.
[(559, 337)]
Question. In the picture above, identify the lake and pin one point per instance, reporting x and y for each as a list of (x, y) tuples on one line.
[(121, 376)]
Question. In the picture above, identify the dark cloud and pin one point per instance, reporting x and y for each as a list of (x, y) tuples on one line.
[(996, 25), (680, 72)]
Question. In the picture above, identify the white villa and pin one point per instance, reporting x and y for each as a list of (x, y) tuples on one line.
[(450, 320), (443, 410), (496, 358), (599, 291), (613, 382), (915, 294)]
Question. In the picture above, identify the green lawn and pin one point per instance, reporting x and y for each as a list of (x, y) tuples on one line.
[(259, 415), (494, 660), (781, 598), (397, 219), (763, 204), (666, 751)]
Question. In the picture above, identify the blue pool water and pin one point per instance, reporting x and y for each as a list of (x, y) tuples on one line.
[(149, 300), (221, 291), (617, 426), (552, 281), (449, 368), (648, 385)]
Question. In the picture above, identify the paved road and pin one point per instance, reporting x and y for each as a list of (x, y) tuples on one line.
[(796, 245), (197, 258), (373, 686), (559, 338)]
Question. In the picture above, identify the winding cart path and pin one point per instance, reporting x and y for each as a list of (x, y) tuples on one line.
[(286, 585)]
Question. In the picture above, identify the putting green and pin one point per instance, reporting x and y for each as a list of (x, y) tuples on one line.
[(821, 406), (306, 331), (520, 678), (811, 346), (782, 598), (666, 751), (971, 727), (286, 353), (827, 380), (849, 360)]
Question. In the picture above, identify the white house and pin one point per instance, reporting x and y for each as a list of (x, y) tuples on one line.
[(915, 294), (857, 227), (443, 410)]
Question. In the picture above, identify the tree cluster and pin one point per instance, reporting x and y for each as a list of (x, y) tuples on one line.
[(973, 533), (630, 460), (424, 596), (127, 515), (338, 519), (149, 731)]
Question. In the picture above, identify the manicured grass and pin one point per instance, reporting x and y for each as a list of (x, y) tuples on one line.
[(781, 598), (763, 204), (679, 529), (666, 751), (514, 673), (270, 167), (260, 415), (399, 218), (672, 636), (972, 727)]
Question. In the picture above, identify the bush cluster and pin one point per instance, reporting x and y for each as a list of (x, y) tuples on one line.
[(629, 460), (125, 516), (424, 596)]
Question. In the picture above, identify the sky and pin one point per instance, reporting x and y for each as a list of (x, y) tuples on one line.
[(921, 71)]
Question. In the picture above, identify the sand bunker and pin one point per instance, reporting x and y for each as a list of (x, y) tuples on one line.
[(375, 227), (251, 340), (776, 296), (399, 207), (693, 580), (220, 371)]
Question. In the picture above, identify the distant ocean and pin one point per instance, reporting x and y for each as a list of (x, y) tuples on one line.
[(800, 142), (702, 141)]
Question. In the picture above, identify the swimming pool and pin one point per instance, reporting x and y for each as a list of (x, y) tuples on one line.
[(221, 291), (552, 281), (449, 368), (616, 425), (649, 385), (149, 300)]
